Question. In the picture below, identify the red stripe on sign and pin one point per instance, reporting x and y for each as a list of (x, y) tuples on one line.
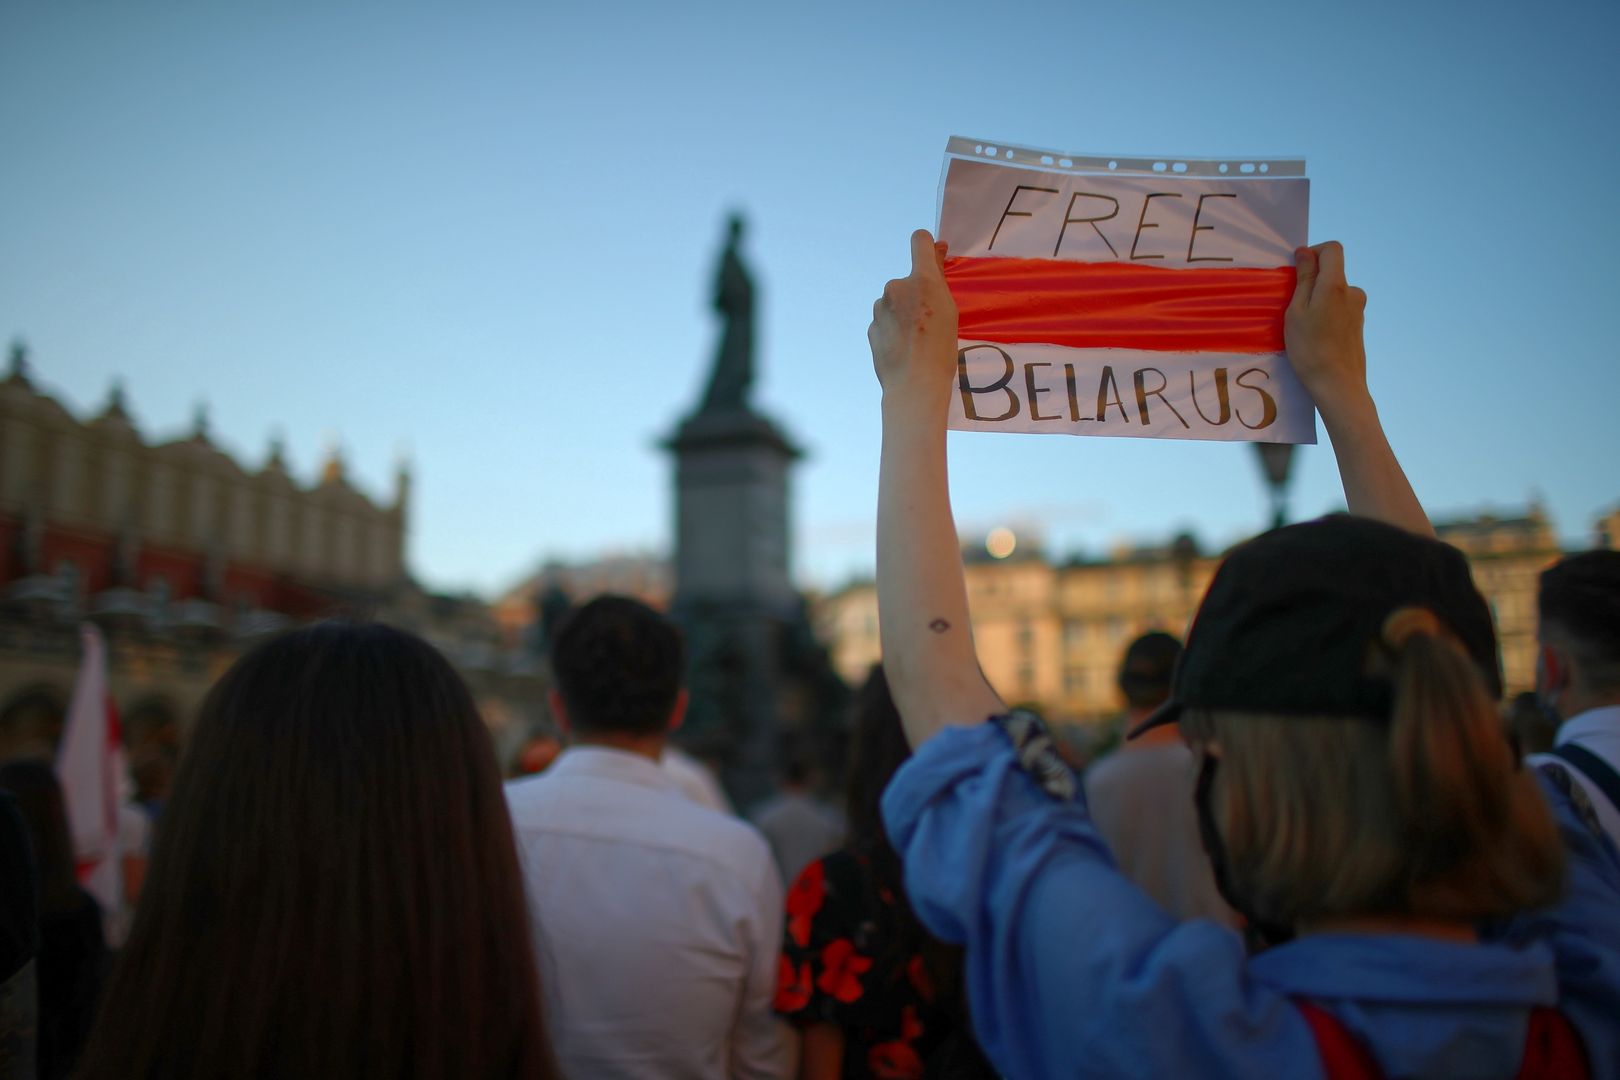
[(1120, 305)]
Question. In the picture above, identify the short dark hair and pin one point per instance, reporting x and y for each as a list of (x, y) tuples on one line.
[(617, 664), (1580, 595), (334, 890), (1147, 668)]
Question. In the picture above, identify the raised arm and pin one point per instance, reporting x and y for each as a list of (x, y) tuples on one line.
[(1322, 331), (928, 653)]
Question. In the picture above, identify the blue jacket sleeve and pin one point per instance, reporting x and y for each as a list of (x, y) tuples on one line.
[(1071, 970), (1583, 928)]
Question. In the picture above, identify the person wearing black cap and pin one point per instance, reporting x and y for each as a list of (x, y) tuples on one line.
[(1357, 793), (1578, 674)]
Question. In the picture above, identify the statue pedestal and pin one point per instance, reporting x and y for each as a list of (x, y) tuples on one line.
[(734, 595)]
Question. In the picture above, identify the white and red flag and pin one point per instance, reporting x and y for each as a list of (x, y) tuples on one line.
[(1123, 296), (90, 765)]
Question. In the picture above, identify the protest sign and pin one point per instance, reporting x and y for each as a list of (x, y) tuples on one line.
[(1123, 296)]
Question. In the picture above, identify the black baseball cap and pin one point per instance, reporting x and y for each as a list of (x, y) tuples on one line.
[(1291, 615)]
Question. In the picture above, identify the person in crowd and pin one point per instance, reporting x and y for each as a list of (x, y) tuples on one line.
[(1438, 909), (19, 945), (1531, 723), (656, 919), (72, 951), (873, 994), (334, 890), (798, 825), (1578, 673), (1141, 796)]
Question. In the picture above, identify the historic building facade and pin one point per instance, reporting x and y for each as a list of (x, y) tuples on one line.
[(184, 557), (1051, 634)]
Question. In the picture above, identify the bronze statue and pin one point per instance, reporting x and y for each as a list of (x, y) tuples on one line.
[(733, 372)]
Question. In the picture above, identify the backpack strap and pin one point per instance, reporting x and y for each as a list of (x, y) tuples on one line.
[(1343, 1055), (1552, 1048), (1594, 768)]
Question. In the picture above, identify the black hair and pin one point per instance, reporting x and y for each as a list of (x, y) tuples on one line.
[(1580, 595), (617, 665), (1146, 671), (880, 748)]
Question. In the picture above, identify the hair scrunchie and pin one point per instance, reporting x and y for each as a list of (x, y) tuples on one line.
[(1403, 623)]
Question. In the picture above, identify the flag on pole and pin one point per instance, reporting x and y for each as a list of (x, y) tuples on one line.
[(90, 763)]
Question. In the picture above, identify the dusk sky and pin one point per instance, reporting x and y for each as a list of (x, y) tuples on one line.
[(483, 236)]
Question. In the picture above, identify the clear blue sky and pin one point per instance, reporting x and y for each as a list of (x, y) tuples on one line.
[(485, 233)]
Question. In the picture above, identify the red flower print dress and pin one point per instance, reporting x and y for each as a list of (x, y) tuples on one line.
[(842, 964)]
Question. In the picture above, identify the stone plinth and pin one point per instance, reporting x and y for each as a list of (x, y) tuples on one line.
[(734, 594)]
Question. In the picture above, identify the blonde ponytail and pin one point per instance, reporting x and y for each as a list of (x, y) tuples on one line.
[(1427, 814), (1478, 828)]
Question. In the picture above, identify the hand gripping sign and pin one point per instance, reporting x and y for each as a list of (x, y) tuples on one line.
[(1123, 296)]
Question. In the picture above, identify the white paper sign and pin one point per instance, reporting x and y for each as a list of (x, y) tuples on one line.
[(1124, 296)]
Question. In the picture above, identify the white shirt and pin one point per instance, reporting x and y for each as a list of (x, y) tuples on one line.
[(1596, 731), (695, 780), (657, 924)]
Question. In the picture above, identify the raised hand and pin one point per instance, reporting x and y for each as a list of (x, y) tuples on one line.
[(913, 331), (1322, 332)]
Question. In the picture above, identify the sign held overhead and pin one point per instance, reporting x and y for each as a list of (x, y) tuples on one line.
[(1120, 296)]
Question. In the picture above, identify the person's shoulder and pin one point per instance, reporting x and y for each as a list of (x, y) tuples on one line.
[(666, 815), (737, 847), (723, 828), (527, 792)]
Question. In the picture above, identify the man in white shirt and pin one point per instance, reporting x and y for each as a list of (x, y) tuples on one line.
[(656, 921), (1578, 674)]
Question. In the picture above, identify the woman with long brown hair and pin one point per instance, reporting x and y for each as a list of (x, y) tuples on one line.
[(334, 891)]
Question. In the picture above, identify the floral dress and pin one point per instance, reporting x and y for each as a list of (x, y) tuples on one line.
[(842, 964)]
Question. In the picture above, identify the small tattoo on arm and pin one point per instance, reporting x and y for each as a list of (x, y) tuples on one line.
[(939, 626)]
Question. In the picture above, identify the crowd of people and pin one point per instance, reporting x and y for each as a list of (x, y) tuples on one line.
[(1324, 851)]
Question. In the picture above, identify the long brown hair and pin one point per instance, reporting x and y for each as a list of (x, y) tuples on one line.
[(879, 749), (334, 890)]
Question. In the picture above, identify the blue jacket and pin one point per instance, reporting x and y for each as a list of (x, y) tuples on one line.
[(1073, 971)]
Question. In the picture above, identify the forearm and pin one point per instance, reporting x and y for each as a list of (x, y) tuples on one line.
[(928, 652), (1375, 486), (821, 1052)]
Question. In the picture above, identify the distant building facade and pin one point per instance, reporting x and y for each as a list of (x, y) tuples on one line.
[(1048, 634), (1051, 634), (185, 558)]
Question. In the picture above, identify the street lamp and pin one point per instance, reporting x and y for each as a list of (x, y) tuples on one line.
[(1275, 460)]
